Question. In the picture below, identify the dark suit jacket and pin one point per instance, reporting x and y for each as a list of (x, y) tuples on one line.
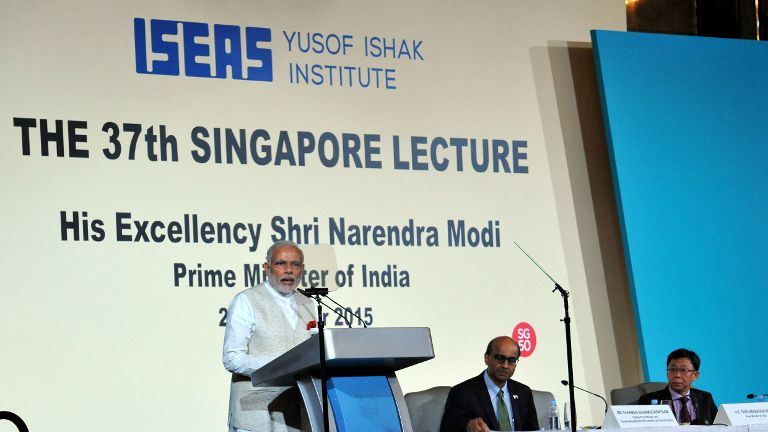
[(705, 407), (470, 399)]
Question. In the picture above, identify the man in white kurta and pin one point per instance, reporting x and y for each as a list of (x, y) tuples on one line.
[(263, 322)]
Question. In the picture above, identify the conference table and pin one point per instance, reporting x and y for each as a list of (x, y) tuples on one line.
[(748, 428)]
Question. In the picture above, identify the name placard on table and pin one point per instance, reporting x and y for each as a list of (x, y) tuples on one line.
[(639, 416), (742, 414)]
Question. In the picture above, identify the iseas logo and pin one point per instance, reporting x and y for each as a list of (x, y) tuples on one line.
[(196, 49)]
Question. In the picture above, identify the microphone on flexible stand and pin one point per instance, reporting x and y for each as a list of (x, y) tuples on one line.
[(565, 383), (315, 293)]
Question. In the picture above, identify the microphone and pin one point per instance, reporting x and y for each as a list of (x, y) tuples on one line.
[(313, 291), (309, 292), (306, 293), (760, 397), (565, 383)]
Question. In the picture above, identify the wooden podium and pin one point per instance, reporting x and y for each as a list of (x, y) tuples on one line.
[(363, 391)]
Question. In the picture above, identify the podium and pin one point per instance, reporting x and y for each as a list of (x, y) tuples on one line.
[(363, 391)]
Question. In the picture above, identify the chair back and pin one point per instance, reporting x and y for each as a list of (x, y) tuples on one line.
[(542, 400), (631, 395), (426, 407)]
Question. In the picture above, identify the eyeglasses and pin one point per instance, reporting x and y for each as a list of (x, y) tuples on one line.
[(500, 359), (673, 371)]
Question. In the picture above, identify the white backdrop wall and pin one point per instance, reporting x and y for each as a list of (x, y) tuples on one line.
[(102, 325)]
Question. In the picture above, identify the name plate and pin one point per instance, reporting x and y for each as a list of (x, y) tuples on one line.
[(639, 416), (742, 414)]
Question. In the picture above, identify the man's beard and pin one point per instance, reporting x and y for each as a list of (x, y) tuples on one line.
[(281, 288)]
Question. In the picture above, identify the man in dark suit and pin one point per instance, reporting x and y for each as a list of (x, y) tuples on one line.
[(483, 403), (690, 405)]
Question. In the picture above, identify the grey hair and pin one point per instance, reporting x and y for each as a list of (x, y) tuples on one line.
[(279, 244)]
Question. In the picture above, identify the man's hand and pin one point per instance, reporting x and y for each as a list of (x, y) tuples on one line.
[(477, 425)]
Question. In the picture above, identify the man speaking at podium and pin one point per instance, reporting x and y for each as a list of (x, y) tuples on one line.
[(263, 322), (492, 401), (690, 405)]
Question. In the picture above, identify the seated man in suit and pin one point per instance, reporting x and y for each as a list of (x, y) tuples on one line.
[(690, 405), (491, 400)]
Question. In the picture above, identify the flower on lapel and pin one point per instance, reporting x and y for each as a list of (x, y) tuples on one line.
[(311, 325), (514, 397)]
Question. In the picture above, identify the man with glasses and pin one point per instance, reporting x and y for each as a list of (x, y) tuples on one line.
[(263, 322), (491, 400), (690, 405)]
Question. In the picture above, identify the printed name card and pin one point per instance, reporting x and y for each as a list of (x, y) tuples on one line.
[(742, 414), (639, 416)]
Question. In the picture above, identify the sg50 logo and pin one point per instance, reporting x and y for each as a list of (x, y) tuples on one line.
[(525, 337), (221, 52)]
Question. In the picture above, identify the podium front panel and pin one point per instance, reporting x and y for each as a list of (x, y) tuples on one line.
[(363, 403)]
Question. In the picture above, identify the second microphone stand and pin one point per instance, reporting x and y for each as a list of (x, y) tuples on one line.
[(568, 350)]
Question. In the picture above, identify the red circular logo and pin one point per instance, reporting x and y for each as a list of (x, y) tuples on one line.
[(525, 337)]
